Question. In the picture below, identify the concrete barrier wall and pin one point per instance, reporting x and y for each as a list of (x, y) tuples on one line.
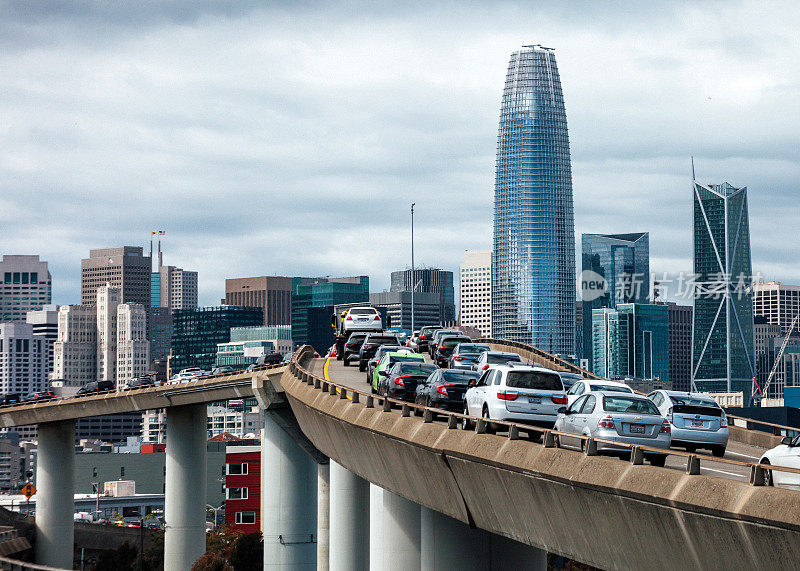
[(598, 510)]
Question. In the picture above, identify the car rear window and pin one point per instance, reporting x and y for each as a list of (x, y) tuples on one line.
[(362, 311), (461, 377), (629, 404), (611, 388), (414, 369), (403, 359), (472, 349), (693, 401), (500, 359), (534, 380), (385, 339), (451, 342)]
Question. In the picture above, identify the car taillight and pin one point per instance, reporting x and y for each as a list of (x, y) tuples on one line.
[(349, 344), (442, 390), (458, 358), (377, 318), (399, 381), (559, 399), (423, 336), (440, 347), (665, 428), (723, 422), (507, 395), (606, 422), (669, 415), (486, 366), (349, 318)]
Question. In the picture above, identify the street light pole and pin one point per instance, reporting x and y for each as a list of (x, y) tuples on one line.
[(413, 273)]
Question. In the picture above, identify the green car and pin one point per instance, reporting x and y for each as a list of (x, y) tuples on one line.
[(388, 361)]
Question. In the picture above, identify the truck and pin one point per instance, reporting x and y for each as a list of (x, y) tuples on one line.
[(350, 317)]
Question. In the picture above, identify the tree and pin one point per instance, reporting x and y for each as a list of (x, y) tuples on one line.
[(247, 553), (211, 561), (119, 559)]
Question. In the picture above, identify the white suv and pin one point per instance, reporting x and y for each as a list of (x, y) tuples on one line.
[(362, 319), (517, 393)]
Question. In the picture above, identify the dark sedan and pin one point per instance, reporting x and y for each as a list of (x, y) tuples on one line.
[(40, 396), (445, 389), (353, 346), (371, 344), (401, 382), (442, 351)]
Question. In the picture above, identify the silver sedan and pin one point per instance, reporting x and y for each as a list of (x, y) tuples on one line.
[(620, 417)]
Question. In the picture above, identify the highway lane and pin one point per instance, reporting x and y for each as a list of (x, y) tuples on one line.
[(351, 377)]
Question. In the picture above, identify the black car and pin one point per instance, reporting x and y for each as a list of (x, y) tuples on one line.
[(441, 353), (402, 379), (371, 344), (96, 387), (445, 389), (11, 398), (138, 383), (353, 346), (40, 396), (271, 359), (425, 336)]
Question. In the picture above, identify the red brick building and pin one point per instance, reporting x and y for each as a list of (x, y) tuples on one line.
[(243, 488)]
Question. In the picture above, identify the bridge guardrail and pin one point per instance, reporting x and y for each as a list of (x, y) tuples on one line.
[(568, 367), (548, 437)]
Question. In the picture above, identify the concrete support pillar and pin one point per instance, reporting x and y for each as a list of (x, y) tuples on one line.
[(401, 533), (55, 503), (447, 543), (185, 495), (509, 554), (350, 515), (323, 516), (288, 502), (375, 526)]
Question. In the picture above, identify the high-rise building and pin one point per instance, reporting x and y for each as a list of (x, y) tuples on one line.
[(533, 276), (196, 333), (133, 348), (271, 293), (723, 358), (632, 341), (623, 260), (108, 299), (45, 325), (172, 287), (778, 303), (398, 308), (75, 349), (312, 307), (23, 359), (125, 267), (475, 291), (279, 335), (680, 346), (429, 280), (160, 337), (26, 286)]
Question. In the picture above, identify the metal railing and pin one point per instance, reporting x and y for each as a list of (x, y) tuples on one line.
[(536, 435), (558, 361)]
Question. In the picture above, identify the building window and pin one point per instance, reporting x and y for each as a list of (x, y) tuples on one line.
[(237, 469), (94, 472), (236, 494), (122, 471), (245, 517)]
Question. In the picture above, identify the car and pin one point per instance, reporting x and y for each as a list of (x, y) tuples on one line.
[(488, 358), (137, 383), (413, 341), (425, 336), (11, 398), (40, 396), (625, 418), (437, 336), (786, 454), (523, 393), (353, 346), (445, 346), (387, 362), (402, 379), (465, 355), (223, 370), (445, 389), (269, 359), (569, 379), (381, 351), (186, 375), (696, 420), (96, 387), (362, 318), (585, 386), (371, 344)]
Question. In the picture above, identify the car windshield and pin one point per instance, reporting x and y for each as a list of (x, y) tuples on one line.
[(416, 369), (693, 401), (472, 349), (495, 359), (611, 388), (362, 311), (459, 377), (534, 380), (404, 358), (629, 404)]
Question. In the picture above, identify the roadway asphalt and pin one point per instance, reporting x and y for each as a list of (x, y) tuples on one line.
[(351, 377)]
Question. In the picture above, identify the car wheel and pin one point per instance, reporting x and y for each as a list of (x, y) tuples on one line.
[(657, 460), (466, 424), (362, 366), (718, 451), (490, 428), (767, 473)]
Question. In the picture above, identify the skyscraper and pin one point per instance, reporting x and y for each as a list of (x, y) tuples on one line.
[(533, 277), (429, 280), (271, 293), (25, 286), (172, 287), (723, 347), (624, 261), (125, 267), (475, 291)]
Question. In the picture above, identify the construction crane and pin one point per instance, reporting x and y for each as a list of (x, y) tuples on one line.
[(779, 356)]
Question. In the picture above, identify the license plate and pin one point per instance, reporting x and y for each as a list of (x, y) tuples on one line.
[(637, 429), (696, 424), (534, 400)]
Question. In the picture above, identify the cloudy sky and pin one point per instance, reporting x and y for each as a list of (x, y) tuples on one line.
[(290, 137)]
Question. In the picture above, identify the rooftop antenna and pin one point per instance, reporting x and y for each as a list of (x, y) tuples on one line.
[(693, 179)]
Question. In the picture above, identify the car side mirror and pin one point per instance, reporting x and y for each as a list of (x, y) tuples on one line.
[(787, 440), (471, 383), (562, 410), (382, 373)]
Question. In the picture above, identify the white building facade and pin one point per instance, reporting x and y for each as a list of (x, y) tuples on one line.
[(133, 348), (75, 349), (475, 291), (23, 360), (25, 285)]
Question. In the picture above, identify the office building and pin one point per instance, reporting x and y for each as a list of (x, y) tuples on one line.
[(125, 267), (778, 303), (429, 280), (243, 489), (533, 275), (680, 346), (273, 294), (398, 308), (279, 335), (312, 307), (75, 349), (23, 359), (631, 342), (240, 421), (26, 286), (242, 354), (196, 333), (475, 291), (108, 299), (45, 325), (172, 287), (623, 262), (133, 348), (723, 357), (160, 337)]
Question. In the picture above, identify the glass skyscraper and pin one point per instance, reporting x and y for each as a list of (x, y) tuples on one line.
[(624, 261), (723, 341), (533, 277)]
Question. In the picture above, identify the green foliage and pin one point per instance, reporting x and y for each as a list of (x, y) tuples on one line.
[(121, 559), (247, 553), (211, 561)]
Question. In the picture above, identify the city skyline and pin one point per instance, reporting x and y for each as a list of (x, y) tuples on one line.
[(186, 126)]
